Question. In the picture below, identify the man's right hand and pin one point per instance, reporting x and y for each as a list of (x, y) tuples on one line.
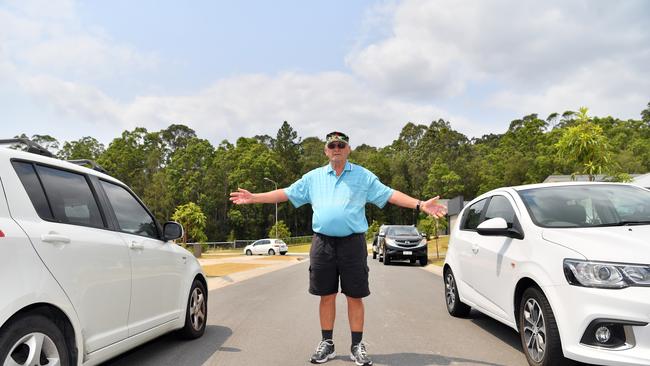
[(241, 197)]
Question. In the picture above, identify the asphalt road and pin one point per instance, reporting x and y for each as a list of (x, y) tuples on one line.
[(272, 320)]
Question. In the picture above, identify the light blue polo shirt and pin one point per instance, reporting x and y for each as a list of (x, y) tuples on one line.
[(339, 203)]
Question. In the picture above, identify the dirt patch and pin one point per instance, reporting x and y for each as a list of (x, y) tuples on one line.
[(219, 256), (277, 258), (224, 269)]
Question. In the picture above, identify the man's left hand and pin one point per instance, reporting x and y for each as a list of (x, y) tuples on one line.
[(433, 208)]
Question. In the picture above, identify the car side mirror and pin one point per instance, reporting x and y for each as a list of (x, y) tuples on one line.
[(172, 230), (382, 235), (498, 227)]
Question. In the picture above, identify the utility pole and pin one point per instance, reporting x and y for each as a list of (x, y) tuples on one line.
[(276, 207)]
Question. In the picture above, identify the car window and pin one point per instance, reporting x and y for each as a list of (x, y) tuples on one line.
[(70, 197), (499, 206), (587, 205), (473, 215), (131, 216), (28, 178), (402, 231)]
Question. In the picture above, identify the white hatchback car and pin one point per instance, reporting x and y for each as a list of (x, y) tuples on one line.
[(86, 272), (266, 246), (566, 265)]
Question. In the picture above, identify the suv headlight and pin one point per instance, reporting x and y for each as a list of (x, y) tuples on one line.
[(605, 274)]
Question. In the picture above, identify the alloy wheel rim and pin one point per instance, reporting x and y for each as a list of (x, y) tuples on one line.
[(34, 349), (534, 330), (197, 309), (450, 290)]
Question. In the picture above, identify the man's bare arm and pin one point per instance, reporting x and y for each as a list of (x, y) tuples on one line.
[(430, 207), (244, 197)]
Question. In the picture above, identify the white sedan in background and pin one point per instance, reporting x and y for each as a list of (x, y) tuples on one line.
[(266, 246), (566, 265)]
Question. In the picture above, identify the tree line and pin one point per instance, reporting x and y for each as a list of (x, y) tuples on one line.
[(174, 170)]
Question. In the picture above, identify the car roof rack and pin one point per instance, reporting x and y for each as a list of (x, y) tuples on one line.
[(93, 164), (32, 147)]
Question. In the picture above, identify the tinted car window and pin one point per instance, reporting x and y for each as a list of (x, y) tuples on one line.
[(28, 177), (473, 215), (70, 197), (500, 207), (131, 216)]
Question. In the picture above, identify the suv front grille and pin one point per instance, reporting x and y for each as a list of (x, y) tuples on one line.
[(407, 243)]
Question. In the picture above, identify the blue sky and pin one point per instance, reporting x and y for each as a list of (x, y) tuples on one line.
[(229, 69)]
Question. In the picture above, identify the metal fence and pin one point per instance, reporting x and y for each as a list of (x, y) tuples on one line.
[(240, 244)]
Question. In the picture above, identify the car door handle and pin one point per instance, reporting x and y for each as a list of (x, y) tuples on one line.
[(135, 245), (475, 248), (53, 237)]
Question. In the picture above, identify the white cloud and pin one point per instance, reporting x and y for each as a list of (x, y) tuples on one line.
[(537, 52), (47, 38), (418, 55)]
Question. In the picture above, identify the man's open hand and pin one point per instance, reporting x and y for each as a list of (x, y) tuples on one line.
[(241, 197), (433, 208)]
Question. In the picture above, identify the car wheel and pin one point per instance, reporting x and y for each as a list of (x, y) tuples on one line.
[(196, 313), (248, 252), (271, 252), (33, 340), (386, 259), (455, 307), (424, 261), (283, 253), (374, 255), (538, 330)]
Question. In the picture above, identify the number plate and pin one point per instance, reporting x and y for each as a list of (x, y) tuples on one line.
[(407, 252)]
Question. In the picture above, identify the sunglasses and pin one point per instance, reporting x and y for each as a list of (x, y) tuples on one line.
[(340, 145)]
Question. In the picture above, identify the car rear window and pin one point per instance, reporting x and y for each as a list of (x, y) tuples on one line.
[(32, 185)]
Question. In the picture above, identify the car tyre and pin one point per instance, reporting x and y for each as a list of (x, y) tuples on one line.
[(374, 255), (424, 261), (23, 336), (248, 252), (386, 259), (540, 338), (196, 313), (283, 253), (455, 307), (271, 252)]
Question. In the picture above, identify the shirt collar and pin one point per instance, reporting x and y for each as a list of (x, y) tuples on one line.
[(348, 167)]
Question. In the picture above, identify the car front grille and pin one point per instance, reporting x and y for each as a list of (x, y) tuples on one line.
[(407, 243)]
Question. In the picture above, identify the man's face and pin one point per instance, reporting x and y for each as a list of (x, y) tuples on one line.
[(337, 151)]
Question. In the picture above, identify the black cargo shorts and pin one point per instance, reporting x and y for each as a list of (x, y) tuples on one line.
[(334, 257)]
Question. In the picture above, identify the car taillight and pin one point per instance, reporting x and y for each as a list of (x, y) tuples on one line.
[(2, 235)]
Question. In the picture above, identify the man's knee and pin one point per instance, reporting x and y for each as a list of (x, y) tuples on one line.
[(355, 300), (328, 299)]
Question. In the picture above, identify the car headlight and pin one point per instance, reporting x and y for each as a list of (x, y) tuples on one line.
[(605, 274)]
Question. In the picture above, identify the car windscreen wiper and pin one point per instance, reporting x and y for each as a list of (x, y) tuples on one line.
[(625, 223)]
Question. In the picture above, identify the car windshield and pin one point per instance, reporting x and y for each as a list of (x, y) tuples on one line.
[(402, 231), (587, 205)]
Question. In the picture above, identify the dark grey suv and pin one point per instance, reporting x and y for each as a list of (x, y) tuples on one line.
[(400, 242)]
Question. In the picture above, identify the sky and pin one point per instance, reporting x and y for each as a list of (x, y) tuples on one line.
[(229, 69)]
